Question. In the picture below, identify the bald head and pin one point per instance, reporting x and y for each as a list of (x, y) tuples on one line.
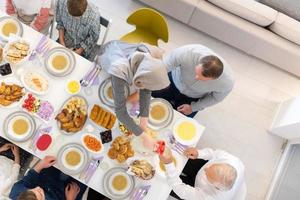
[(222, 176)]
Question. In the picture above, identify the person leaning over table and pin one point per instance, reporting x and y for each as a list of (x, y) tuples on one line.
[(9, 169), (35, 13), (208, 175), (199, 79), (78, 23), (138, 65), (45, 182)]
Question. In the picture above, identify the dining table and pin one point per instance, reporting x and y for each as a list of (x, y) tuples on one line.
[(57, 95)]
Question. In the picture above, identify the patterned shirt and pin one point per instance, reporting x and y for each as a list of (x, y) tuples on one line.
[(80, 31)]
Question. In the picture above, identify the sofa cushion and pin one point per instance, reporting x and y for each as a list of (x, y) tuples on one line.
[(287, 28), (288, 7), (250, 10), (181, 10)]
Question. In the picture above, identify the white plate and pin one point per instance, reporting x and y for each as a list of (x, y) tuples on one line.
[(4, 20), (197, 134), (155, 124), (65, 167), (8, 123), (35, 114), (107, 183), (65, 103), (99, 139), (60, 51), (12, 40), (31, 89), (9, 81), (103, 94), (178, 159)]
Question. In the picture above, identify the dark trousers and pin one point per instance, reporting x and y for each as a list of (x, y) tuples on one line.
[(173, 95), (189, 173)]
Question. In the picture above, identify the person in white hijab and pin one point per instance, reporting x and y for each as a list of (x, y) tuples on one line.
[(134, 65), (9, 169)]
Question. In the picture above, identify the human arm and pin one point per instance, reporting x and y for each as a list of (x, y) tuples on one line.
[(10, 9), (5, 147), (92, 37), (144, 99), (16, 151), (184, 191), (120, 106), (123, 116), (46, 162), (41, 20), (209, 100), (29, 181)]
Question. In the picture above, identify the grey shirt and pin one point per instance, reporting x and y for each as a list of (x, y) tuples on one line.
[(182, 61)]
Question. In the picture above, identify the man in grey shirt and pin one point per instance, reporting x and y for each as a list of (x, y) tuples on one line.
[(199, 79)]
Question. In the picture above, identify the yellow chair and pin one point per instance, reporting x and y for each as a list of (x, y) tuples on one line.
[(150, 27)]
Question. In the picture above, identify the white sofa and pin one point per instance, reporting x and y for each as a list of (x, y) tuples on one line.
[(245, 24)]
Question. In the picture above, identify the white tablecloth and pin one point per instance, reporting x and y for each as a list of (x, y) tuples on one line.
[(57, 95)]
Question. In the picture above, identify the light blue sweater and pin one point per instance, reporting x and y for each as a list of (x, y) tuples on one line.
[(182, 61)]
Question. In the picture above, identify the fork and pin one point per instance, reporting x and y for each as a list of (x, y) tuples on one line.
[(141, 193)]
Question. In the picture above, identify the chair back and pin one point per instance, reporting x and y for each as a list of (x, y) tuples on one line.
[(105, 23), (151, 20)]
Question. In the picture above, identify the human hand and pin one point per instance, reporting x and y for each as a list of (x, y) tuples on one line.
[(148, 141), (79, 51), (166, 157), (71, 191), (16, 151), (144, 123), (47, 162), (5, 147), (191, 153), (185, 109)]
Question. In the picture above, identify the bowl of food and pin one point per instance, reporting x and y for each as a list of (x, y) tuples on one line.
[(72, 158), (187, 131), (16, 51), (72, 116), (118, 184), (73, 87), (60, 61), (160, 113), (11, 93), (19, 126), (141, 168), (92, 143), (10, 25)]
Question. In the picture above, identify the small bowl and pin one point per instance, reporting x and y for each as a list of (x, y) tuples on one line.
[(73, 87), (91, 151)]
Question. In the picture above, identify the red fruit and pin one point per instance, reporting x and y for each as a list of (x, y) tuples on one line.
[(29, 95)]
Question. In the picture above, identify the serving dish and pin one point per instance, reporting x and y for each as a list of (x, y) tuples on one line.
[(10, 25)]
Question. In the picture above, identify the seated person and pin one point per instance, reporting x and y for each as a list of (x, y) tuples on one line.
[(35, 13), (45, 182), (133, 65), (214, 175), (199, 79), (78, 24), (9, 169)]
